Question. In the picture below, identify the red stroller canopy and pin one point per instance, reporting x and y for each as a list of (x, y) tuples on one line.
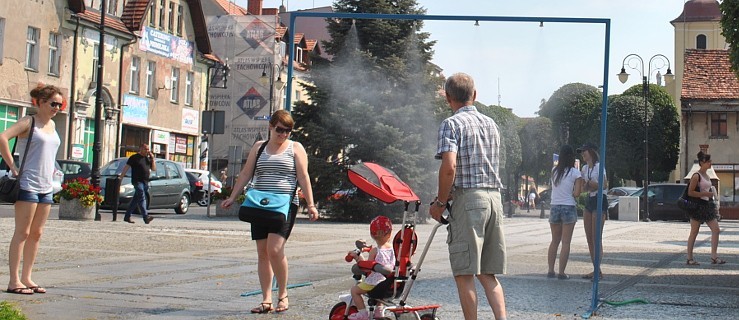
[(380, 182)]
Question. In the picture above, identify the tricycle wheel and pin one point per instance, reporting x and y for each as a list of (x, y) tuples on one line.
[(338, 312)]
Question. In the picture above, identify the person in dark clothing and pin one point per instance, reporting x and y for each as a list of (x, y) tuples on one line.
[(141, 165)]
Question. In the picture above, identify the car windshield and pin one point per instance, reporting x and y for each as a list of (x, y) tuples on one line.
[(114, 167)]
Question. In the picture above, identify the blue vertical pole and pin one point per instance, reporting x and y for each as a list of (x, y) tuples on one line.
[(290, 54)]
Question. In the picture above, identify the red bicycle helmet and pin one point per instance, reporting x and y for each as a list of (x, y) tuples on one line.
[(381, 223)]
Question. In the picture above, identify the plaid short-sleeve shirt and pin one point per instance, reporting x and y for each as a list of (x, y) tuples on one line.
[(476, 140)]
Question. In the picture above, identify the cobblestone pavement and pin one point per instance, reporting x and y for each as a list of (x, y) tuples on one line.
[(194, 267)]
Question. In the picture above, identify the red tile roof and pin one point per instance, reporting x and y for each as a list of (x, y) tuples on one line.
[(231, 7), (110, 21), (310, 44), (298, 38), (699, 10), (134, 12), (708, 76)]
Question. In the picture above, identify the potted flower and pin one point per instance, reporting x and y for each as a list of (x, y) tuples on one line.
[(233, 211), (77, 200)]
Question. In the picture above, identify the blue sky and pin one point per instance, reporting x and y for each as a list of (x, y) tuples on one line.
[(530, 63)]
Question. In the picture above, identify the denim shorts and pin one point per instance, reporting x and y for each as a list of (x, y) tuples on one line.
[(28, 196), (563, 214)]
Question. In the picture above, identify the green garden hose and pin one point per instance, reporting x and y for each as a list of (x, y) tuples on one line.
[(621, 303)]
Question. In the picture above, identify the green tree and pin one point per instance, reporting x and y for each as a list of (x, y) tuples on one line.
[(574, 110), (375, 102), (730, 30), (536, 148), (664, 131), (625, 147)]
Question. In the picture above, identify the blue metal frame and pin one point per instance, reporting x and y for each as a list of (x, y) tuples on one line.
[(604, 109)]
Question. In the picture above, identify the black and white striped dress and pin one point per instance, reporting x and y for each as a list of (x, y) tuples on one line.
[(276, 172)]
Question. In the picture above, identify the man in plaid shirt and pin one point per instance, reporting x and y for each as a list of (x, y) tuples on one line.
[(468, 147)]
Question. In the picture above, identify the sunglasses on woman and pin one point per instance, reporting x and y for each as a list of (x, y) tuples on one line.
[(282, 130), (57, 105)]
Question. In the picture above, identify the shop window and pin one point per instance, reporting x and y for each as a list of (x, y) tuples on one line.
[(189, 88), (151, 72), (135, 75), (153, 14), (32, 37), (179, 20), (718, 125), (2, 38), (161, 14), (175, 80), (95, 52), (700, 41), (54, 53), (170, 25)]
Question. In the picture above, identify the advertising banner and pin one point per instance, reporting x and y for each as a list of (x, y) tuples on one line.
[(135, 109), (166, 45), (248, 44)]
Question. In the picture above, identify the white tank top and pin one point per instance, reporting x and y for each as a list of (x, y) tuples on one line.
[(38, 171)]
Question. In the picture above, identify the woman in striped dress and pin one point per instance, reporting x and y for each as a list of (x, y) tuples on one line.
[(281, 166)]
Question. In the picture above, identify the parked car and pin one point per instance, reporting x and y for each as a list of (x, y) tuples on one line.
[(168, 189), (73, 169), (662, 203), (214, 186), (196, 187), (57, 179), (616, 192)]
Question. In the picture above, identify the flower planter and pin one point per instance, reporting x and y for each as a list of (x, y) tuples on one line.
[(73, 210), (233, 211)]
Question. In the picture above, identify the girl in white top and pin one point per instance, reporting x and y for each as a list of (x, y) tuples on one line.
[(706, 213), (35, 197), (591, 177), (566, 185)]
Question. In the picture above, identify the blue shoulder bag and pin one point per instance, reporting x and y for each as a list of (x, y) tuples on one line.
[(263, 206)]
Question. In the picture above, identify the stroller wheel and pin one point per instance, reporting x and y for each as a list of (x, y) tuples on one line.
[(429, 316), (338, 312)]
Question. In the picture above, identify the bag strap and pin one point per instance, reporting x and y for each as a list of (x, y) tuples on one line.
[(25, 152)]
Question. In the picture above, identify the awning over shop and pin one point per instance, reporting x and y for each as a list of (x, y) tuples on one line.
[(711, 173)]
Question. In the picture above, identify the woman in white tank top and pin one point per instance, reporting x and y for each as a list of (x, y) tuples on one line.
[(705, 213), (35, 197)]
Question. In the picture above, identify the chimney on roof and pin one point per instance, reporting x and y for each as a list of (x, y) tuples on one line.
[(282, 7), (254, 7)]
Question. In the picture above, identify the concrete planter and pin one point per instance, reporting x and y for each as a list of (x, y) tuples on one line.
[(233, 211), (73, 210)]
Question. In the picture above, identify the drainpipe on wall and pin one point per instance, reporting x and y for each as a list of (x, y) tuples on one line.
[(73, 88), (118, 123)]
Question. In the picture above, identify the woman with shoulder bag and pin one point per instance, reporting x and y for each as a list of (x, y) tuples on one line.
[(35, 195), (281, 165), (706, 212), (591, 177)]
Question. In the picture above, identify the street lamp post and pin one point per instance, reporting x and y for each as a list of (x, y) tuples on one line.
[(656, 62), (270, 80)]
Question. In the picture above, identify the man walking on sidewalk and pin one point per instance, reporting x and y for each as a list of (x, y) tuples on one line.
[(141, 165)]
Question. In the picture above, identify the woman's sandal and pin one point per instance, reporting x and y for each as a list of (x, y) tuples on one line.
[(285, 305), (264, 307), (717, 260), (692, 262)]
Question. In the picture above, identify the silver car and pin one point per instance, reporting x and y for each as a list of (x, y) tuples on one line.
[(168, 186)]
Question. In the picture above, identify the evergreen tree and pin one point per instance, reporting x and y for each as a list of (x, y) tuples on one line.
[(374, 102)]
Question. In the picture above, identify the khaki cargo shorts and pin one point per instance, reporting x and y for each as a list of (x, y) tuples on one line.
[(475, 233)]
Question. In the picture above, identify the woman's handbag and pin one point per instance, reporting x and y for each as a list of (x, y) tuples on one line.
[(9, 186), (688, 203), (263, 206)]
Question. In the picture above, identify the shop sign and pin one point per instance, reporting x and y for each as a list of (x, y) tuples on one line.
[(722, 167), (158, 136), (78, 151), (190, 120), (181, 145), (166, 45), (135, 109)]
